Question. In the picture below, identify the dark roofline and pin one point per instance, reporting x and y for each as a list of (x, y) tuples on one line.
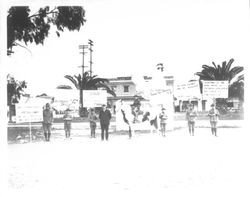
[(121, 78), (130, 78)]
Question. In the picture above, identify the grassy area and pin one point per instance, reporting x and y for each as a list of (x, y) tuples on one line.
[(16, 134)]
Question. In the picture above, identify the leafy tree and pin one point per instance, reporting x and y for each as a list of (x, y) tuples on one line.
[(87, 82), (22, 26), (14, 91), (223, 72)]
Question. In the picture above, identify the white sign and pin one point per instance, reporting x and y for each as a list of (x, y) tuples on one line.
[(163, 97), (94, 98), (29, 113), (215, 89), (187, 90)]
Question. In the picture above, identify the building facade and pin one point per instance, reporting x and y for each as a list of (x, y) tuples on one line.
[(125, 89)]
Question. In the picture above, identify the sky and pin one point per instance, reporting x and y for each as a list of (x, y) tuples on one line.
[(132, 37)]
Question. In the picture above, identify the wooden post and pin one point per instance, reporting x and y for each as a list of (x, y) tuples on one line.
[(30, 129)]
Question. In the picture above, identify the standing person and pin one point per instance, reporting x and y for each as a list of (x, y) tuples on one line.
[(104, 117), (47, 121), (191, 116), (67, 123), (163, 121), (214, 117), (92, 117)]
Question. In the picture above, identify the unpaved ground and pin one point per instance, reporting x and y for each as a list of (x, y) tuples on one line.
[(146, 165)]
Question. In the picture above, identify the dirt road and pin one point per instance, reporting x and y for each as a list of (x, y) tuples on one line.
[(146, 165)]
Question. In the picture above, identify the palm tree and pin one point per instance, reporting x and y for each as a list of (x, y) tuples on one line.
[(223, 72), (217, 72), (87, 82)]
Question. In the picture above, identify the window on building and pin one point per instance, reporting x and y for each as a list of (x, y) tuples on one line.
[(126, 88), (230, 104)]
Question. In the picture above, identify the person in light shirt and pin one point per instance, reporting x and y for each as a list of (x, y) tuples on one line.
[(163, 121), (67, 123), (191, 116)]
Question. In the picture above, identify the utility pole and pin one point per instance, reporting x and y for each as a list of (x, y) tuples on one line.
[(90, 59), (81, 112), (83, 53)]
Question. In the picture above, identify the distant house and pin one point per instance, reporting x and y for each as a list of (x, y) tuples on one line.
[(125, 88)]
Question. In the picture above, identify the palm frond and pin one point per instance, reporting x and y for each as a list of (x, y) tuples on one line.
[(73, 80), (106, 88), (229, 64), (235, 71), (214, 65), (241, 78)]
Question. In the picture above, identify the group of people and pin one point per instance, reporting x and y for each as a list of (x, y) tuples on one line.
[(105, 116), (191, 116)]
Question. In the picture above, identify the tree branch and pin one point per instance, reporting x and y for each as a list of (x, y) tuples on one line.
[(51, 12), (23, 47)]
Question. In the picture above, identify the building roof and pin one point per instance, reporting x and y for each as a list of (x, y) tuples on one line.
[(129, 78)]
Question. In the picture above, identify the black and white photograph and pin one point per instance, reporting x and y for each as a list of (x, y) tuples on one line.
[(124, 98)]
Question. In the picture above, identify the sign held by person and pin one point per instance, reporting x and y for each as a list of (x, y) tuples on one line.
[(187, 90), (94, 98), (29, 113), (215, 89)]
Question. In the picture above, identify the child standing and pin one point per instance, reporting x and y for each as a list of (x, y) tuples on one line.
[(191, 116), (163, 121), (67, 123), (92, 117)]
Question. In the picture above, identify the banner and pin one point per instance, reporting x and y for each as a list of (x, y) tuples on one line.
[(161, 97), (94, 98), (187, 90), (215, 89), (29, 113)]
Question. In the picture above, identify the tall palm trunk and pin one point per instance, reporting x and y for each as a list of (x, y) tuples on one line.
[(81, 103)]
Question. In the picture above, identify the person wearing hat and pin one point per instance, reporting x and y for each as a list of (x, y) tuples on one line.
[(214, 117), (104, 117), (47, 121), (92, 117), (163, 121), (67, 123), (191, 116)]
